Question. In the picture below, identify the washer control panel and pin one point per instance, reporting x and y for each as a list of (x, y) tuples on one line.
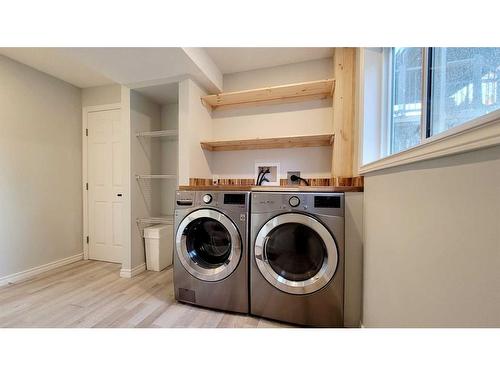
[(294, 201), (227, 200)]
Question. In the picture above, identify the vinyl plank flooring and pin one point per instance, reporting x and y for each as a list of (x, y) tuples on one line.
[(91, 294)]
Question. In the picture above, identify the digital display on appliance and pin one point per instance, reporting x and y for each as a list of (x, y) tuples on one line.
[(234, 198), (321, 201)]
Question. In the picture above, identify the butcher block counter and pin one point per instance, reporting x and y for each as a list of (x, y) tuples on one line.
[(321, 189)]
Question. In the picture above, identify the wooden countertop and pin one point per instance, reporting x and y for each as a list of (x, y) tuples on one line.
[(330, 189), (321, 189), (216, 187)]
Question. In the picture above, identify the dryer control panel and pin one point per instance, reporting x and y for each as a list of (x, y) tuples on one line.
[(327, 201), (315, 203)]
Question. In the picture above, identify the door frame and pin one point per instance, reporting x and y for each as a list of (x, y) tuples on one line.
[(85, 112)]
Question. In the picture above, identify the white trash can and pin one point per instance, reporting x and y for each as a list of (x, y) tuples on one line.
[(159, 246)]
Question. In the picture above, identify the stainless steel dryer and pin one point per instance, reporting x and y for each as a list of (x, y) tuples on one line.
[(211, 249), (297, 257)]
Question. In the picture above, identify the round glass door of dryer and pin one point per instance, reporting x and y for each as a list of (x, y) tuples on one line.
[(296, 253), (208, 245)]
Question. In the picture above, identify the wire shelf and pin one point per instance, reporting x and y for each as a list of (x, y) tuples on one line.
[(155, 176), (156, 220), (158, 133)]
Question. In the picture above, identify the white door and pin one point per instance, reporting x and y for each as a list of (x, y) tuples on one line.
[(106, 186)]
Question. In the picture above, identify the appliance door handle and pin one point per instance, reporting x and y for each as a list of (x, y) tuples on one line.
[(264, 249)]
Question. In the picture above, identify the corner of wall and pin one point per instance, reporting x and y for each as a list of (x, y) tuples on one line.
[(125, 118), (41, 140), (195, 125), (100, 95)]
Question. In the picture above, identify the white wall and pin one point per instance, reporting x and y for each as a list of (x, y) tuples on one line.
[(169, 156), (432, 243), (280, 75), (195, 125), (145, 115), (130, 223), (372, 68), (146, 155), (170, 116), (306, 118), (40, 168), (100, 95), (212, 76), (313, 162)]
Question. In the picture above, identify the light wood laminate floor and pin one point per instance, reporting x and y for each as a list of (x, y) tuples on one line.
[(92, 294)]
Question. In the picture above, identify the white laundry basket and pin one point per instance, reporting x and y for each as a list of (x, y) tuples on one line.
[(159, 246)]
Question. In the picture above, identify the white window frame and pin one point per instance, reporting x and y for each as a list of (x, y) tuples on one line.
[(478, 133)]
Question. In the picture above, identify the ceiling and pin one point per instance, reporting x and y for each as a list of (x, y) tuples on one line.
[(162, 94), (140, 67), (57, 64), (239, 59), (134, 67)]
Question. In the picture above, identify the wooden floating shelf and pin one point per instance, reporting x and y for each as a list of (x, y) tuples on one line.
[(292, 93), (158, 133), (268, 143)]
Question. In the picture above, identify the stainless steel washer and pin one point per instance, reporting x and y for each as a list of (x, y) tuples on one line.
[(297, 257), (211, 252)]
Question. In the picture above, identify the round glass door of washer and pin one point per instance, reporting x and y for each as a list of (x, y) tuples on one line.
[(208, 245)]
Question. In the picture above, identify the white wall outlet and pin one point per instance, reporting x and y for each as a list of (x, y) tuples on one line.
[(273, 176), (215, 179)]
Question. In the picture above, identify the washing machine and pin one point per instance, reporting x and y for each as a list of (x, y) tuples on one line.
[(211, 249), (297, 257)]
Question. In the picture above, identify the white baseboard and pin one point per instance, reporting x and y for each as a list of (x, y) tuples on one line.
[(131, 272), (24, 275)]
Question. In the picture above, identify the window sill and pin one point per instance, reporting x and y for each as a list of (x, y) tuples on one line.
[(479, 133)]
